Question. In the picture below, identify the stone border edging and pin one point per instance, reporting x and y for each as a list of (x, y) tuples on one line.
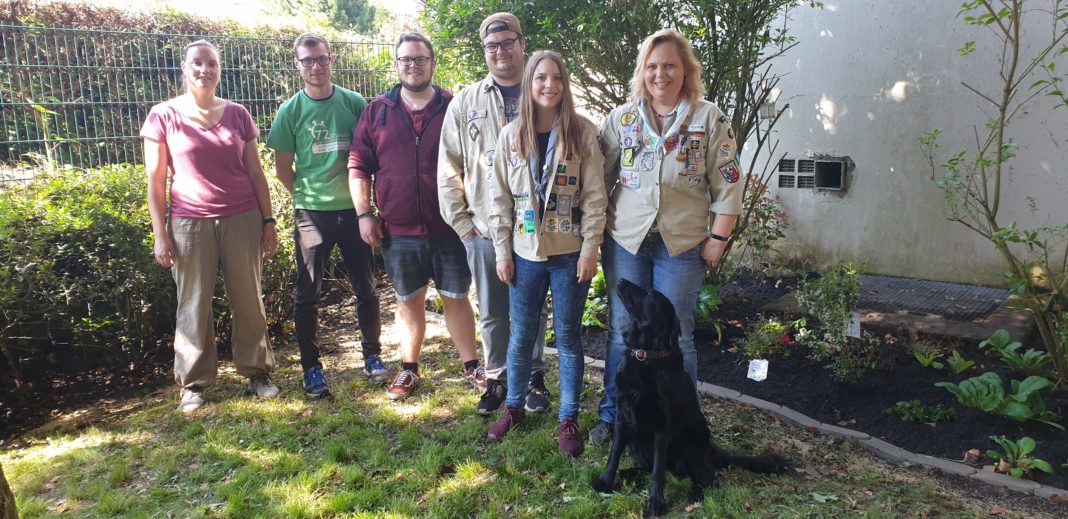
[(876, 446)]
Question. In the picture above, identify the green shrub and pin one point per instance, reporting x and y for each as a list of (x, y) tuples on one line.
[(830, 299), (768, 338), (79, 286)]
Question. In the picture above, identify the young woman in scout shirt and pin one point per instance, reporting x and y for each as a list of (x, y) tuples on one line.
[(669, 165), (548, 201)]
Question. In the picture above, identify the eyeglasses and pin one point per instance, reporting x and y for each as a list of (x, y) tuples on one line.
[(323, 61), (492, 47), (419, 61)]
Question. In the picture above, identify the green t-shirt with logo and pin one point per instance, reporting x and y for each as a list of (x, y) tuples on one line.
[(318, 134)]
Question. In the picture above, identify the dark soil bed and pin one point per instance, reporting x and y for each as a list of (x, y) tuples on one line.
[(807, 387)]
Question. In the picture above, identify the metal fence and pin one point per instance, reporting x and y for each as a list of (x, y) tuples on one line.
[(76, 96)]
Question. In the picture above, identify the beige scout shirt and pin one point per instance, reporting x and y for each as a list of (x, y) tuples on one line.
[(465, 158), (689, 171), (575, 201)]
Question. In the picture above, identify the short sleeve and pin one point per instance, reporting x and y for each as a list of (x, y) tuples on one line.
[(154, 127), (280, 137), (249, 131)]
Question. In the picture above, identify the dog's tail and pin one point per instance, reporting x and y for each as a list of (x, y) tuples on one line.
[(768, 463)]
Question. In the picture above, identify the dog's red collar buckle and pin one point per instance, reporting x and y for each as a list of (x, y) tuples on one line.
[(644, 355)]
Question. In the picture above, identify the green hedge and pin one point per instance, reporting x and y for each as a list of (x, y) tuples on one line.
[(79, 286)]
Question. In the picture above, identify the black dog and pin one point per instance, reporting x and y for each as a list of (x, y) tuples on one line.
[(657, 412)]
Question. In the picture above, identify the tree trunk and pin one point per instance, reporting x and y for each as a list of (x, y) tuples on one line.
[(7, 499)]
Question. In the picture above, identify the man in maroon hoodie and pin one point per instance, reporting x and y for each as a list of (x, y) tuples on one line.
[(396, 146)]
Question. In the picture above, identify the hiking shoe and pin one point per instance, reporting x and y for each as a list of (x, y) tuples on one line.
[(403, 385), (477, 378), (491, 400), (601, 433), (537, 395), (569, 438), (192, 399), (374, 369), (511, 417), (263, 386), (314, 384)]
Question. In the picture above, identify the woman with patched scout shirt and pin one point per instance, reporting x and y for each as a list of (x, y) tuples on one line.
[(548, 212), (669, 165)]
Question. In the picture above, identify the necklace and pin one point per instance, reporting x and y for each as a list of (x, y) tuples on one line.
[(412, 103)]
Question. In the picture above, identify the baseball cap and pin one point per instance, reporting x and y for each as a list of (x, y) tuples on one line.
[(499, 22)]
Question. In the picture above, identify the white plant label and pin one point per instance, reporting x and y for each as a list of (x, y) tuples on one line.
[(853, 325), (758, 370)]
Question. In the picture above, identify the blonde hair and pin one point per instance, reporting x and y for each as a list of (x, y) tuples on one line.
[(569, 133), (184, 87), (693, 87)]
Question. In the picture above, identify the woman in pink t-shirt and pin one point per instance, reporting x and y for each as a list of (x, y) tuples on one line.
[(219, 216)]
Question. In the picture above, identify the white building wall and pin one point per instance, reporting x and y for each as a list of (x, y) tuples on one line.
[(867, 79)]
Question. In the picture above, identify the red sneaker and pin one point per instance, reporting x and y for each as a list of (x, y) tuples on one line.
[(511, 417), (477, 378), (569, 438), (403, 385)]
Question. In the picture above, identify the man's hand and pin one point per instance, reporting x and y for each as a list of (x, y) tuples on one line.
[(371, 230), (506, 271)]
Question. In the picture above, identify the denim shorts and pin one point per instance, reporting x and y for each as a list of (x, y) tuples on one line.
[(412, 262)]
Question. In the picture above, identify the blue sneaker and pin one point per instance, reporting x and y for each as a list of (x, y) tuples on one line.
[(314, 385), (374, 369)]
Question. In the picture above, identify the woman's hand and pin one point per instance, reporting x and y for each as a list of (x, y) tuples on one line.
[(269, 242), (164, 251), (587, 268), (712, 251), (505, 271)]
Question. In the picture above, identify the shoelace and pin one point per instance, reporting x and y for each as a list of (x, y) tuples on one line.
[(374, 365), (569, 427), (405, 378)]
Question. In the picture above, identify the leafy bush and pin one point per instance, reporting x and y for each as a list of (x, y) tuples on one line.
[(830, 299), (769, 338), (79, 286), (1015, 460), (1030, 362), (986, 393), (916, 412)]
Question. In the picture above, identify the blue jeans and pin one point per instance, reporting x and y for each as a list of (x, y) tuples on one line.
[(532, 281), (679, 278)]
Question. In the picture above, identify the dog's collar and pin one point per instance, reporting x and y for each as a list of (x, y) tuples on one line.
[(644, 355)]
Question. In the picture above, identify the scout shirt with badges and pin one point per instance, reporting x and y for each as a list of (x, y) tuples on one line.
[(573, 216), (466, 156), (689, 171)]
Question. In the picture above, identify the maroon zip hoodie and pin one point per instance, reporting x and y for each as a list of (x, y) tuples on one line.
[(402, 161)]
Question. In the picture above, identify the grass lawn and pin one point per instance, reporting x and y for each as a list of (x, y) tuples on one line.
[(362, 455)]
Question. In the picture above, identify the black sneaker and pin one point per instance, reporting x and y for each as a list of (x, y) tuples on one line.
[(491, 400), (601, 433), (537, 395)]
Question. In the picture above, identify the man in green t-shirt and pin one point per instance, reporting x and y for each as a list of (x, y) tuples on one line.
[(310, 136)]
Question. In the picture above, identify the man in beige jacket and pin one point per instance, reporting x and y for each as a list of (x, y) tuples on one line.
[(465, 162)]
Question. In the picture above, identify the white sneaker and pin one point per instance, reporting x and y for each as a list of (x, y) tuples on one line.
[(192, 399), (263, 386)]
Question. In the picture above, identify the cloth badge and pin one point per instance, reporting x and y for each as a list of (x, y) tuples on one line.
[(565, 225), (647, 161), (550, 225), (572, 181), (476, 114), (683, 153), (472, 131), (692, 169), (576, 214), (514, 148), (487, 159), (730, 172), (563, 205), (514, 161), (697, 156), (629, 179), (550, 205), (576, 230), (628, 118), (528, 220), (730, 132), (694, 180), (561, 181), (628, 157), (561, 168), (696, 128), (671, 143), (651, 141), (628, 142), (725, 150), (521, 197)]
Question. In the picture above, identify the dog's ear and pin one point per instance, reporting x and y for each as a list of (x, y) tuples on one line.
[(668, 332)]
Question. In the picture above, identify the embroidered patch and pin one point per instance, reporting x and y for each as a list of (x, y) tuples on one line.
[(472, 131), (550, 225), (550, 205), (572, 181), (628, 118), (514, 161), (651, 141), (630, 179), (563, 205), (628, 142), (725, 150), (694, 180), (671, 143), (628, 157), (730, 132), (514, 148), (696, 128), (561, 181), (647, 161), (730, 172), (521, 197), (528, 221), (565, 225), (561, 168), (487, 159)]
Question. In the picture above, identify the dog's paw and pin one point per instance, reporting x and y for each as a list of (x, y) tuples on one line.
[(656, 506), (603, 485)]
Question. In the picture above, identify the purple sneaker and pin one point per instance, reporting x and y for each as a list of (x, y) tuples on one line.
[(569, 437), (511, 417)]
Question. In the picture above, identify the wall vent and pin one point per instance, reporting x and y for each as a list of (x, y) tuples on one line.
[(806, 182), (787, 181), (806, 166), (787, 166)]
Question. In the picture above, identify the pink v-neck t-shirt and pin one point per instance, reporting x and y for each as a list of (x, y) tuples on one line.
[(208, 178)]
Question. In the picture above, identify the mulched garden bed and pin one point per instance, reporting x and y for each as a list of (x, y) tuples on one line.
[(807, 387)]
